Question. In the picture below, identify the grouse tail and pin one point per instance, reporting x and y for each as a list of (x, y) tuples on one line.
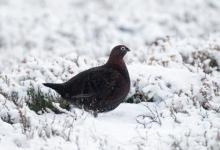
[(55, 86)]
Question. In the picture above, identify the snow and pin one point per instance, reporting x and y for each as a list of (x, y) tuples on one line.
[(172, 42)]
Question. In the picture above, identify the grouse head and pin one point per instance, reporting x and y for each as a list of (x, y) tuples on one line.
[(117, 54), (119, 51)]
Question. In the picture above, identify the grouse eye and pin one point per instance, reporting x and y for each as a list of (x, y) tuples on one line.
[(123, 48)]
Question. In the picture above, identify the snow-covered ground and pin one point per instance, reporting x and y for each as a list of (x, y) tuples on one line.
[(174, 63)]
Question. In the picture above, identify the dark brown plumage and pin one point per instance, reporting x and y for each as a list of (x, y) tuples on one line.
[(98, 89)]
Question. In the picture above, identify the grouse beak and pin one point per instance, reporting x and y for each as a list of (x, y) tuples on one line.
[(128, 50)]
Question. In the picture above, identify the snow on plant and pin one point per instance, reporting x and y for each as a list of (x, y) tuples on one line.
[(174, 67)]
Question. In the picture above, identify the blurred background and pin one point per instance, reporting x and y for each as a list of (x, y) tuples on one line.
[(93, 27)]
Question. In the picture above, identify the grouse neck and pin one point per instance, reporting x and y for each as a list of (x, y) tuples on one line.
[(116, 62)]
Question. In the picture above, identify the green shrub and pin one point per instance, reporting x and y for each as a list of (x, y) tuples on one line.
[(138, 97), (41, 102)]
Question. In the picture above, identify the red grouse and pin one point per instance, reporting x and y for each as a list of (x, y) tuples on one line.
[(98, 89)]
